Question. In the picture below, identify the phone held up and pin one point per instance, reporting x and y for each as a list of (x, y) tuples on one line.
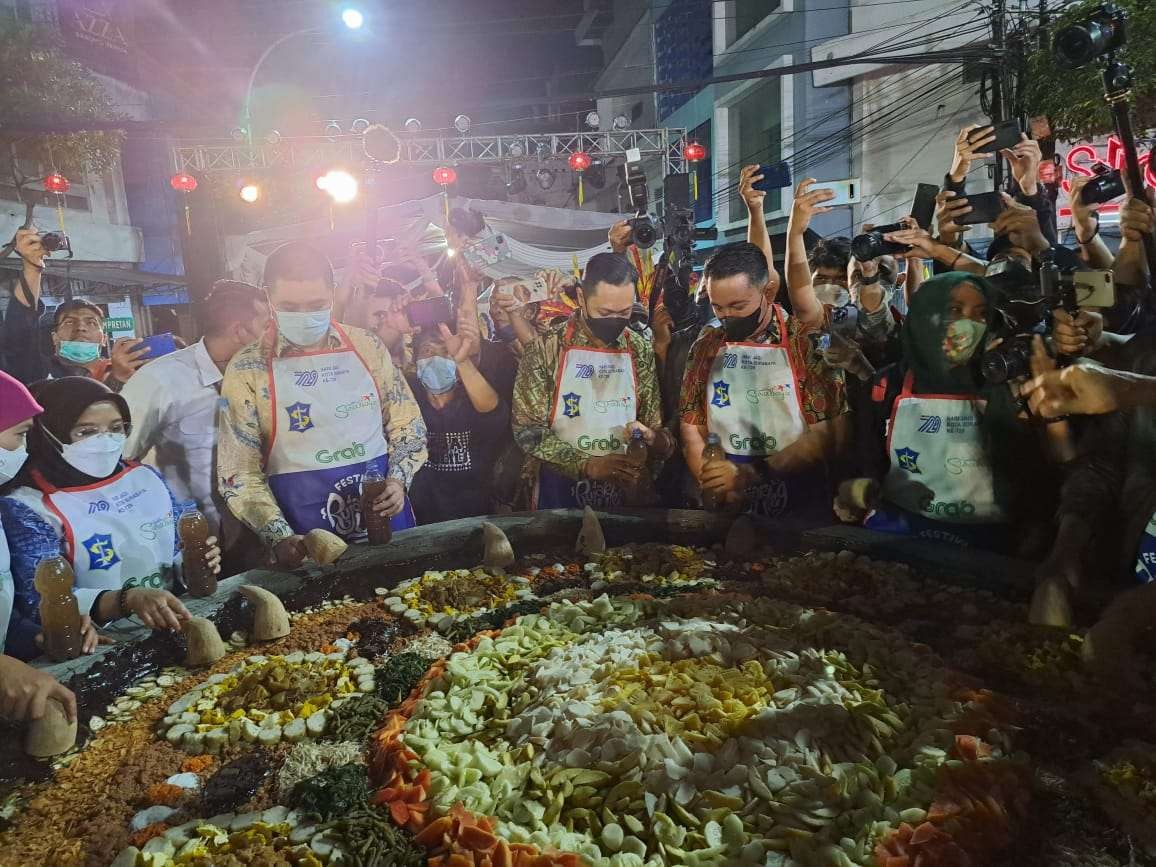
[(429, 313), (157, 345), (1007, 135), (985, 207)]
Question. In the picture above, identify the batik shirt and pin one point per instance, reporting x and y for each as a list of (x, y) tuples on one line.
[(246, 425)]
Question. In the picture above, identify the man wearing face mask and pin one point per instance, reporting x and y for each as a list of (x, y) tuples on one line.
[(306, 410), (760, 385), (175, 400), (581, 389)]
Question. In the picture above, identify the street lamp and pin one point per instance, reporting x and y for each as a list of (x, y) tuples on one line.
[(350, 17)]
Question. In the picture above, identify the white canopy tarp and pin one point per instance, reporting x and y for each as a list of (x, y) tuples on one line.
[(537, 237)]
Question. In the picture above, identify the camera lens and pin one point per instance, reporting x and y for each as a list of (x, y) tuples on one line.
[(1076, 46), (645, 235), (869, 245), (995, 367)]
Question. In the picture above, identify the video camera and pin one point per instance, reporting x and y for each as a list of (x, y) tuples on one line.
[(873, 244), (1108, 184), (1031, 300)]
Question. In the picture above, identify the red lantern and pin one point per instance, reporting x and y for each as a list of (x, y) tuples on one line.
[(183, 182), (579, 161), (694, 152), (57, 183), (445, 176)]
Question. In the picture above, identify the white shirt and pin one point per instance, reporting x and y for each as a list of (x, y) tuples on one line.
[(174, 404)]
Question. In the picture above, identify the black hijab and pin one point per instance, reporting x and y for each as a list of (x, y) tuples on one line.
[(64, 401)]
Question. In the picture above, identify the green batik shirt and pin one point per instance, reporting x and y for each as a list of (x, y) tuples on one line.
[(536, 382)]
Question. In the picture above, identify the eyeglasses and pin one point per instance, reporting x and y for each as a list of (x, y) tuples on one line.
[(83, 432)]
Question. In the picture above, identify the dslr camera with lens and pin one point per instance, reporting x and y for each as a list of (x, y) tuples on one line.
[(872, 245), (1100, 31), (54, 242)]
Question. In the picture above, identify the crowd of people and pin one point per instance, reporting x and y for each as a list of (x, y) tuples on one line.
[(866, 391)]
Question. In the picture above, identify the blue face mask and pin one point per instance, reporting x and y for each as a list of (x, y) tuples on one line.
[(438, 374), (304, 329), (79, 351)]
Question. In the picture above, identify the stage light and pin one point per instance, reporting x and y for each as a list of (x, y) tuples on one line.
[(517, 182), (352, 18), (462, 123), (238, 133), (620, 122), (412, 125), (332, 129), (359, 126), (341, 186), (249, 193), (272, 137), (516, 150), (592, 120), (451, 252), (545, 178)]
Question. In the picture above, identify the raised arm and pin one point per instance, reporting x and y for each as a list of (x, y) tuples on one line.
[(805, 304), (757, 233)]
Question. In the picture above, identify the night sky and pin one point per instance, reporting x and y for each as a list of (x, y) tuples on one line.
[(432, 59)]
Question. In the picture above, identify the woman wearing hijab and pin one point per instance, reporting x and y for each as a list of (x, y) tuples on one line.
[(944, 444), (113, 520), (23, 690)]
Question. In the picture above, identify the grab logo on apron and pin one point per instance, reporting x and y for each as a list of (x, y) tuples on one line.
[(326, 428), (754, 405), (595, 398), (939, 464), (113, 536), (753, 401)]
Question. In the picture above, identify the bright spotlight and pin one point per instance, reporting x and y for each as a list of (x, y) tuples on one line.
[(621, 122), (352, 18), (359, 126), (412, 124), (341, 186), (238, 134), (249, 193), (451, 252), (462, 123), (592, 120)]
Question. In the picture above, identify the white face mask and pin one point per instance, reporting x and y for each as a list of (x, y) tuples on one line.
[(11, 460), (833, 294), (95, 456), (304, 329)]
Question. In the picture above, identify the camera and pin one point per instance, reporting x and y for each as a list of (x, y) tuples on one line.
[(643, 232), (54, 242), (1108, 184), (1026, 313), (1101, 31), (872, 245)]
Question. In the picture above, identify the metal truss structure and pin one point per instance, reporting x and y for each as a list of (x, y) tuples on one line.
[(309, 154)]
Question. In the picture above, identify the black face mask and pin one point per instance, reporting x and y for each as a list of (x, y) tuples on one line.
[(738, 328), (607, 328)]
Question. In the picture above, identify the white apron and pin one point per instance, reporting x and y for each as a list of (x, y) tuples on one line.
[(117, 533), (1146, 556), (754, 405), (940, 468), (753, 401), (327, 426), (7, 588), (595, 397)]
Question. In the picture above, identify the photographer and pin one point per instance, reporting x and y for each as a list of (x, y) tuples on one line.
[(1023, 162), (78, 335)]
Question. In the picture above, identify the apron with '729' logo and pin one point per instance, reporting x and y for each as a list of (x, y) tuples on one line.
[(327, 429)]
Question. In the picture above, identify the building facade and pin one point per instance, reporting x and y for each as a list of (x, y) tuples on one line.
[(766, 120)]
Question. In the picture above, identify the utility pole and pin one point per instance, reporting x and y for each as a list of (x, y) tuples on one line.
[(998, 43)]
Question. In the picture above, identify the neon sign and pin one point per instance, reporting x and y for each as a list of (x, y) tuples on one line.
[(1083, 157)]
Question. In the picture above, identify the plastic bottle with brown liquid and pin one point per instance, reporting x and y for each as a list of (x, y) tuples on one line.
[(193, 528), (638, 454), (59, 612), (377, 526), (712, 452)]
